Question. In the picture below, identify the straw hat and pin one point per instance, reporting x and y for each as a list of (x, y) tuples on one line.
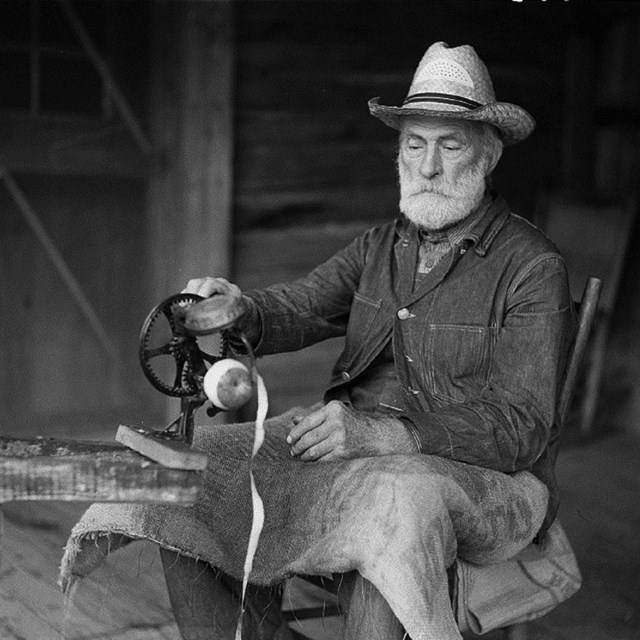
[(454, 83)]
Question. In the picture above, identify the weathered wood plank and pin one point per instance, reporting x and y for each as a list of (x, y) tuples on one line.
[(95, 224), (579, 109), (49, 469), (175, 454), (266, 257), (189, 205), (318, 165), (366, 205), (286, 126), (18, 275), (69, 147)]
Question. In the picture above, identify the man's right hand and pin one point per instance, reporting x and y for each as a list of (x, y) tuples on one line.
[(244, 315), (208, 286)]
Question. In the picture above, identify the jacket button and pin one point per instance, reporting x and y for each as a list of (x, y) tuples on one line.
[(345, 376), (404, 313)]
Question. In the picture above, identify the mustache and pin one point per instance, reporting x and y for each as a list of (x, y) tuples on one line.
[(431, 189)]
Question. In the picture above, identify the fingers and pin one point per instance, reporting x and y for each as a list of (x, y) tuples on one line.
[(320, 435), (205, 287), (320, 451), (209, 286), (303, 424), (296, 414)]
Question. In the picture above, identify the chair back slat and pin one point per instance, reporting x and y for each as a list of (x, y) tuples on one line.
[(586, 318)]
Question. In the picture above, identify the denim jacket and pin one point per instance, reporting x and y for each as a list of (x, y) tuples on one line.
[(479, 347)]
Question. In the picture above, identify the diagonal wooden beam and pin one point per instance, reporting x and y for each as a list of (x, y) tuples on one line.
[(102, 68), (60, 264)]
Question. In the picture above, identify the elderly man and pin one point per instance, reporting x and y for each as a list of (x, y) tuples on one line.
[(439, 423)]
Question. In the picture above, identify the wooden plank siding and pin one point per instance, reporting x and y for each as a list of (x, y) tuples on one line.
[(70, 146), (189, 195), (54, 369), (306, 71), (83, 177)]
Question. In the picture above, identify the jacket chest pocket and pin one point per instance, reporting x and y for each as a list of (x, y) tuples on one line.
[(363, 312), (361, 320), (456, 360)]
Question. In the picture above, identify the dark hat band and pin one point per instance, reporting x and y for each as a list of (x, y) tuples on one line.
[(443, 98)]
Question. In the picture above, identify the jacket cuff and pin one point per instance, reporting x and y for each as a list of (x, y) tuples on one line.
[(251, 325)]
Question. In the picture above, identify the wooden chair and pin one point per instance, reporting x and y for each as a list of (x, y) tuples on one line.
[(593, 235), (586, 315)]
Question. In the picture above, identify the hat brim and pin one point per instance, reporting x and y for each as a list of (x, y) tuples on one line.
[(513, 121)]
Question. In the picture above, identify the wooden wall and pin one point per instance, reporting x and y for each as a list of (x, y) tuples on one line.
[(79, 174), (307, 149), (55, 371)]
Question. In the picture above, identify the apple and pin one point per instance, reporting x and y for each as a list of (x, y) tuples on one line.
[(227, 384)]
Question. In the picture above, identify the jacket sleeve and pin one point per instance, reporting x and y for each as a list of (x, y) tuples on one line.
[(294, 315), (507, 425)]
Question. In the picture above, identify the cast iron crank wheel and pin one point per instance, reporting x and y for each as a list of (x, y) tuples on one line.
[(183, 379)]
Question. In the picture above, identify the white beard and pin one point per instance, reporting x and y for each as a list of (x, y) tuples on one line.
[(435, 205)]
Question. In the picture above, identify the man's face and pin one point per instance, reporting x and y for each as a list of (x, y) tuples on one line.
[(442, 169)]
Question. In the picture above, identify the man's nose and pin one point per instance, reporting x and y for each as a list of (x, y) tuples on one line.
[(431, 165)]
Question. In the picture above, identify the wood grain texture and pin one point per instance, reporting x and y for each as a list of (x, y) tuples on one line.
[(173, 454), (190, 189), (48, 469)]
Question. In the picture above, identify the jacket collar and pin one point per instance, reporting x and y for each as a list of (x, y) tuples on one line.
[(481, 234)]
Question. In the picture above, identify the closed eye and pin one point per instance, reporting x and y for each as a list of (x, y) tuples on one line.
[(414, 143)]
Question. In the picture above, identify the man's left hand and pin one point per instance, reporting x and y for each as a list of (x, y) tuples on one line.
[(336, 431)]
